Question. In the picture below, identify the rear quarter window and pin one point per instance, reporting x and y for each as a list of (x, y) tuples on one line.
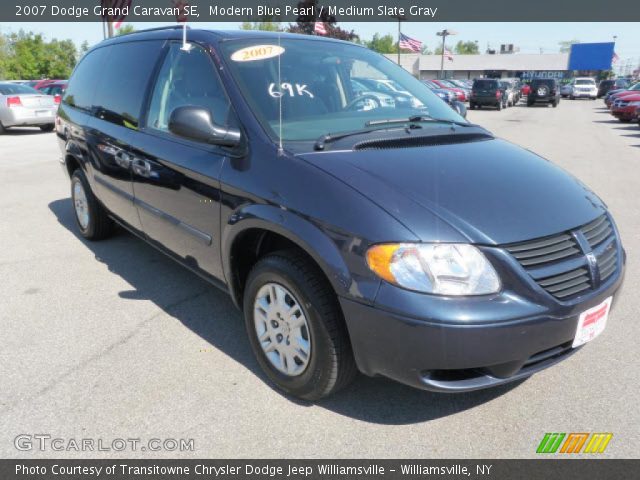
[(83, 81), (123, 83)]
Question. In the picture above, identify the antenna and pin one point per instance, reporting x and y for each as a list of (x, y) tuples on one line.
[(185, 46), (280, 149)]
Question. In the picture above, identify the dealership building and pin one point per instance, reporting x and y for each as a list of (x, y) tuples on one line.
[(523, 65), (586, 58)]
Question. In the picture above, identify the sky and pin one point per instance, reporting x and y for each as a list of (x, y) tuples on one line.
[(529, 37)]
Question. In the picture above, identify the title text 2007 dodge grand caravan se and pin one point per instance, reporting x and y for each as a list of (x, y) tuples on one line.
[(356, 232)]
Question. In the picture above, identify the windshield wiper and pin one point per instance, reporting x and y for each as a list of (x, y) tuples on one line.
[(415, 119), (328, 138)]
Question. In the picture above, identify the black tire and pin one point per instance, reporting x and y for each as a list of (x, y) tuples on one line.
[(99, 226), (2, 129), (555, 104), (47, 128), (331, 365), (472, 106), (499, 106)]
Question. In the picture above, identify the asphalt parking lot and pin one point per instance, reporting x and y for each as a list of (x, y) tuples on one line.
[(113, 340)]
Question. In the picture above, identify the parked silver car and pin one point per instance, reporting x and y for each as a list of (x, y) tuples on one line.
[(25, 106)]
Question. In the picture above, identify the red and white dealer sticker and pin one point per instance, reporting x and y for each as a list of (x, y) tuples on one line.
[(592, 322)]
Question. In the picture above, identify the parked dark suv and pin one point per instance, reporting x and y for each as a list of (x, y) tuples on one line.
[(486, 92), (544, 90), (395, 240)]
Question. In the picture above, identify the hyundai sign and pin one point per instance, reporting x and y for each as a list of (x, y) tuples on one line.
[(591, 56)]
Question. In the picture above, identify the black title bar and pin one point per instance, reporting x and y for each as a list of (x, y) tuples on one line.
[(340, 10)]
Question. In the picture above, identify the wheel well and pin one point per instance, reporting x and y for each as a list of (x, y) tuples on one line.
[(250, 247), (72, 164)]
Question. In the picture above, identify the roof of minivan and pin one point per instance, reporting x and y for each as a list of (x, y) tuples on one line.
[(175, 32)]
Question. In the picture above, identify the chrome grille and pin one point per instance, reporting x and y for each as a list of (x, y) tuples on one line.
[(559, 265)]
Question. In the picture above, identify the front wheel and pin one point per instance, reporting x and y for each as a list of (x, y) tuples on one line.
[(47, 128), (295, 326)]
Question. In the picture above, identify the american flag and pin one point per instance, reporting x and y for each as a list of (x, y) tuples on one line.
[(408, 43), (182, 6), (615, 58), (448, 54), (118, 19), (320, 28)]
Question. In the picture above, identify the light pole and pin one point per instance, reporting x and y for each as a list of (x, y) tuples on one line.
[(444, 34), (400, 19)]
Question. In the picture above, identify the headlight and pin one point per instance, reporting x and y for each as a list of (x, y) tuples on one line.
[(442, 269)]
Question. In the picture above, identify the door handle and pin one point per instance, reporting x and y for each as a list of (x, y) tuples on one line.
[(123, 159), (141, 167)]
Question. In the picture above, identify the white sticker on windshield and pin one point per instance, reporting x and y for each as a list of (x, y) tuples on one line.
[(291, 89), (256, 52)]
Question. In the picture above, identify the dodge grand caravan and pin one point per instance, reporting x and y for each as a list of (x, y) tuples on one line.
[(398, 240)]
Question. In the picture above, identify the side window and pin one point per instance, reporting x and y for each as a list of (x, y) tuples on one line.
[(122, 86), (187, 78), (85, 77)]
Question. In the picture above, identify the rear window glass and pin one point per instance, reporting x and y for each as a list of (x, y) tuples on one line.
[(15, 89), (543, 81), (485, 84)]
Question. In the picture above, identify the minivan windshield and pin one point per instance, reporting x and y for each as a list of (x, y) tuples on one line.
[(320, 87)]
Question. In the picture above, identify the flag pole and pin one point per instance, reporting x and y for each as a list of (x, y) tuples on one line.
[(398, 39)]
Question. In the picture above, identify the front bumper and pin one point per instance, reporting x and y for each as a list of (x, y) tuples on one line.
[(20, 116), (461, 344), (624, 113), (588, 94)]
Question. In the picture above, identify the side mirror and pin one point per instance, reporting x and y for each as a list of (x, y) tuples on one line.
[(195, 123)]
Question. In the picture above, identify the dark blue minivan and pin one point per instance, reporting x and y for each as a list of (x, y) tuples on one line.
[(356, 230)]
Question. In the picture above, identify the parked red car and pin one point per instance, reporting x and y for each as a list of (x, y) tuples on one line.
[(460, 93), (526, 88), (626, 109), (55, 88), (609, 99), (42, 83)]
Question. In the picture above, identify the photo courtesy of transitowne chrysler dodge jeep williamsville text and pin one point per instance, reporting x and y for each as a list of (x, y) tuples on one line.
[(355, 232)]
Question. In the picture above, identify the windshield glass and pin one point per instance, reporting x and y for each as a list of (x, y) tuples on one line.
[(585, 82), (322, 87)]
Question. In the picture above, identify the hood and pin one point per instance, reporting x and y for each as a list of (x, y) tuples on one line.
[(490, 191)]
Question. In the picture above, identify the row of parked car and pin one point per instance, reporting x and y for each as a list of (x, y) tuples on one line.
[(30, 103), (624, 103)]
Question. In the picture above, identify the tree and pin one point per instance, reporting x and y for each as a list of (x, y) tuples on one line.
[(565, 45), (267, 26), (467, 48), (26, 55), (305, 23), (124, 29), (382, 44)]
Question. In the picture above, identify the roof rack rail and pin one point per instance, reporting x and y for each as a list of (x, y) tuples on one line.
[(168, 27)]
